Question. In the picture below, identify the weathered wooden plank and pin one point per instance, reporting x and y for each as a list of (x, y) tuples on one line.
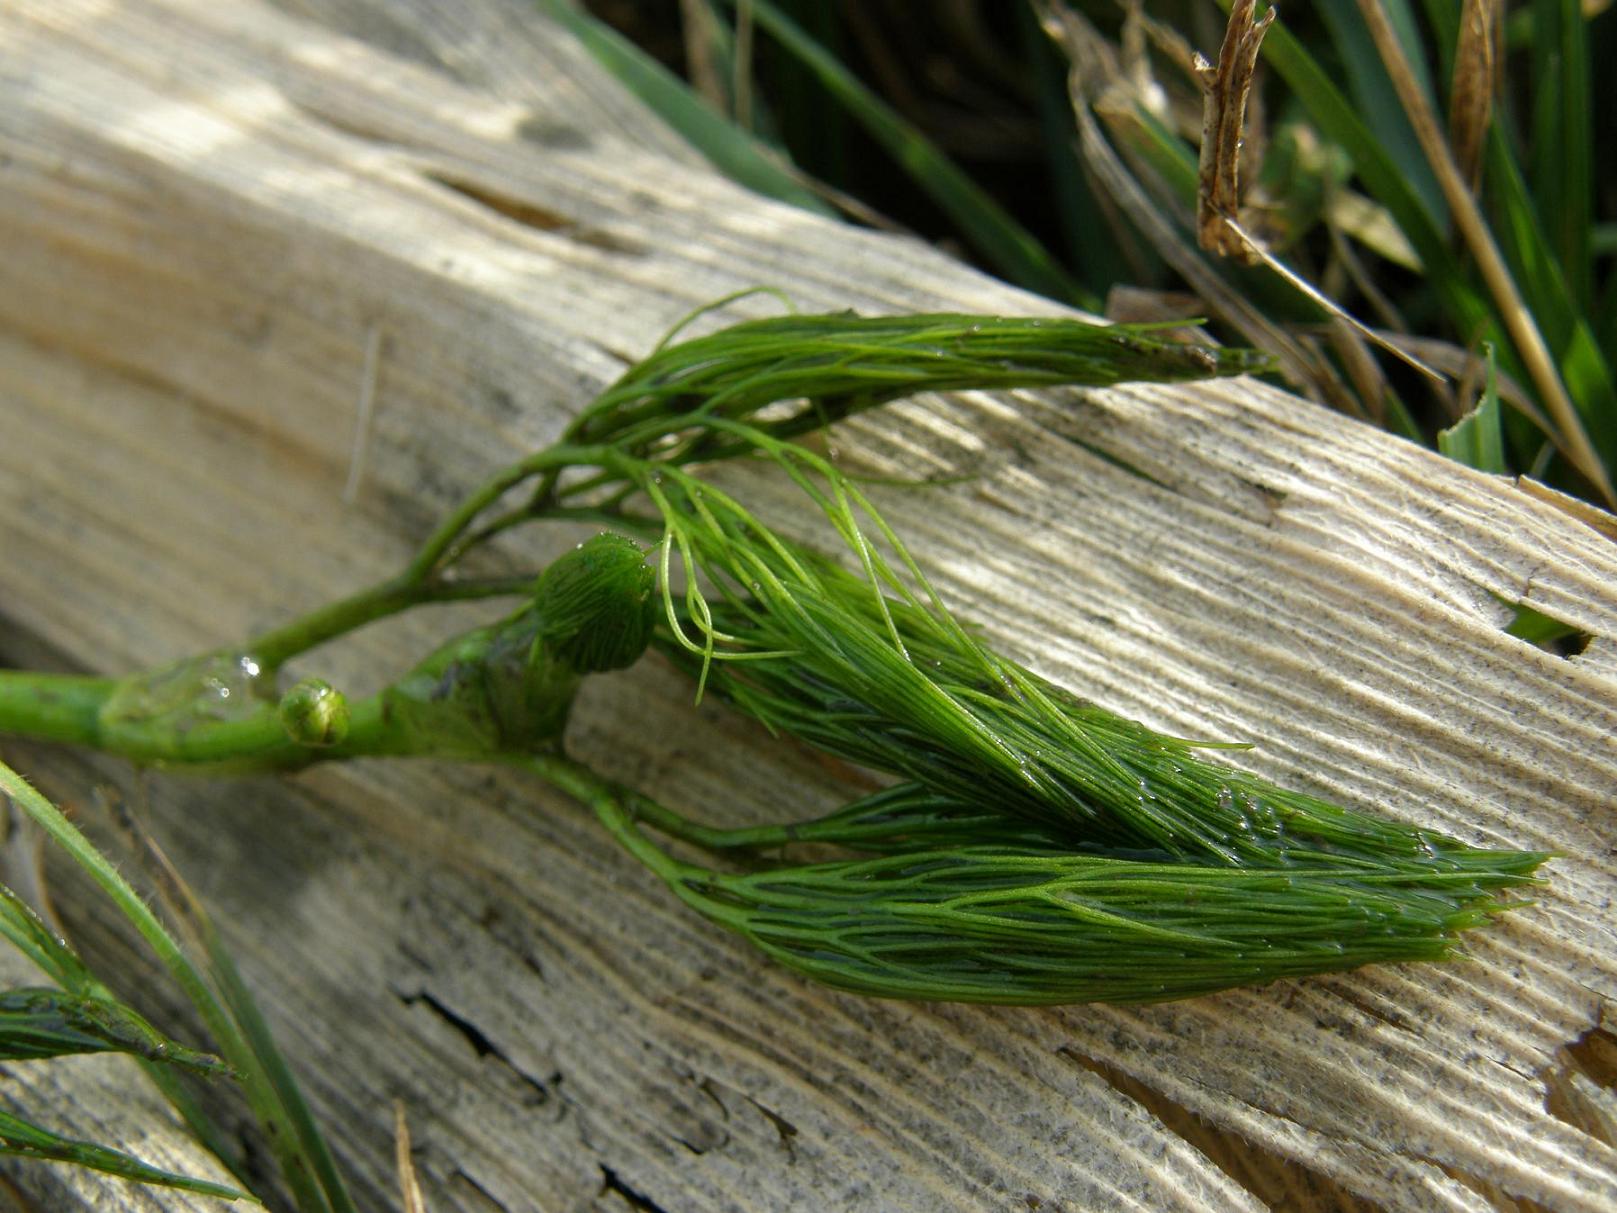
[(209, 210), (499, 48)]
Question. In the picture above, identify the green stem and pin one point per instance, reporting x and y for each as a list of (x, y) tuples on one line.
[(602, 515), (53, 707), (611, 806), (417, 582), (66, 835), (621, 811), (274, 648), (608, 802), (714, 838), (852, 825), (202, 1126), (256, 743), (66, 707), (443, 547)]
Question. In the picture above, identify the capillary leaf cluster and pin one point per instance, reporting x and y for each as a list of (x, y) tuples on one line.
[(1034, 847)]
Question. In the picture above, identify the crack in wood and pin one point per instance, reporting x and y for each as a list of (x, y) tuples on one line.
[(785, 1128), (1580, 1085), (526, 213), (479, 1040), (529, 214), (612, 1183), (461, 1179), (1360, 1001), (557, 1083), (1276, 1179)]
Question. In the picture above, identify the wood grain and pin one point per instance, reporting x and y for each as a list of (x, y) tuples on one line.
[(208, 210)]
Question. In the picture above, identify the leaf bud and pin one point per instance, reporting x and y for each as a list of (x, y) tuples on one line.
[(314, 713), (597, 604)]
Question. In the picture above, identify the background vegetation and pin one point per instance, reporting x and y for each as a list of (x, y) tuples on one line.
[(962, 121)]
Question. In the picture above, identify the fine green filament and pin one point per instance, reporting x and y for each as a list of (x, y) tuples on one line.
[(1035, 848)]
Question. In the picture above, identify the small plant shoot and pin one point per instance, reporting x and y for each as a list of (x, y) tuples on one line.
[(1032, 847), (1035, 848)]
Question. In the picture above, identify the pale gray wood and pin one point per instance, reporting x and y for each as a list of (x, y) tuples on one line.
[(504, 48), (208, 210)]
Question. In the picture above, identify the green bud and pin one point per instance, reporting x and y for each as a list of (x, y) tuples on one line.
[(598, 604), (314, 713)]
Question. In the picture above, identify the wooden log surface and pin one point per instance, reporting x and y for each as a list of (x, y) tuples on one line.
[(209, 212)]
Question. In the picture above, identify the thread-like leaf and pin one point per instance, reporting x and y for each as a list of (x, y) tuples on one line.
[(37, 1021), (873, 668), (28, 1140), (937, 913), (990, 924), (843, 363)]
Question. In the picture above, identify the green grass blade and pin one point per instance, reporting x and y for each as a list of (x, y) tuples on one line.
[(223, 1145), (28, 1140), (261, 1096), (1469, 312), (1471, 315), (1562, 142), (1159, 145), (37, 1022), (1399, 420), (1173, 162), (821, 134), (111, 882), (1098, 261), (986, 225), (736, 75), (1535, 627), (1534, 264), (731, 150), (256, 1056), (1444, 18), (244, 1010), (48, 950), (1478, 439), (1376, 99), (51, 953)]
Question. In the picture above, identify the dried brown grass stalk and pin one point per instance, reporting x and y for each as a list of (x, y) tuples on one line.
[(1227, 87), (1569, 435), (1476, 67)]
